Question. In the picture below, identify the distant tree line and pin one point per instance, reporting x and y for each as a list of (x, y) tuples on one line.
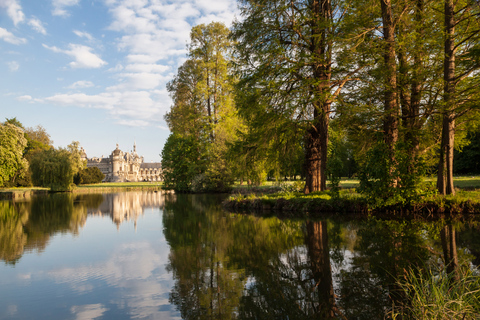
[(28, 158), (386, 90)]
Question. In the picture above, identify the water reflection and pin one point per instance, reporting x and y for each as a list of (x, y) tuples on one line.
[(127, 206), (190, 255), (238, 266), (28, 226)]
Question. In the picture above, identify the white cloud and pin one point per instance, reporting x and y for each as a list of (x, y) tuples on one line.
[(82, 34), (81, 84), (117, 68), (83, 56), (37, 26), (25, 98), (145, 67), (13, 66), (139, 81), (101, 101), (10, 38), (133, 123), (60, 5), (14, 10)]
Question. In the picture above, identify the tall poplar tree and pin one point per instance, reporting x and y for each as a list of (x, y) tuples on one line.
[(203, 110)]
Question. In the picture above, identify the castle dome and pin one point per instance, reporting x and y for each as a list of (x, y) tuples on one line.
[(117, 151)]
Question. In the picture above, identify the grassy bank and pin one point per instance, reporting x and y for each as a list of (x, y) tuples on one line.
[(18, 193), (297, 204)]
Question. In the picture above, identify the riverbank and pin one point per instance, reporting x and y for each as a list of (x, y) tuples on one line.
[(27, 193), (466, 204), (21, 193)]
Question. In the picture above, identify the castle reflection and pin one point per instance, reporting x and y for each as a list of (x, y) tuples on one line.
[(127, 206), (29, 225)]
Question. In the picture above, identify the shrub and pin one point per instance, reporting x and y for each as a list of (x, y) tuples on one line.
[(88, 176)]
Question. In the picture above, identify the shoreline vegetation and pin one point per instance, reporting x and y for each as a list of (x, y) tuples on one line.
[(287, 202), (25, 193)]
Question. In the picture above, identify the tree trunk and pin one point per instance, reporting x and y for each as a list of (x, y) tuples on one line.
[(413, 114), (317, 134), (445, 165), (390, 123), (318, 253)]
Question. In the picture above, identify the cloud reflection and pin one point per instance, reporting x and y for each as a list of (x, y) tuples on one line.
[(88, 311), (138, 269)]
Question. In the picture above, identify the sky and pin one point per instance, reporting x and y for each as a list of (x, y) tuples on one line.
[(95, 71)]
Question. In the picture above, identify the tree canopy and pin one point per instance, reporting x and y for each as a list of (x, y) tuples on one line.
[(12, 146)]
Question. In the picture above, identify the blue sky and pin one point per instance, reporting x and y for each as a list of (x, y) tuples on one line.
[(95, 71)]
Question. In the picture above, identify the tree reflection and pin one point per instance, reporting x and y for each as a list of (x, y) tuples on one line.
[(29, 225), (12, 236), (214, 254), (207, 285), (384, 251), (449, 246), (296, 284)]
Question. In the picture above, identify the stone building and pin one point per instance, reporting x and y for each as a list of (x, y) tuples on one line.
[(125, 166)]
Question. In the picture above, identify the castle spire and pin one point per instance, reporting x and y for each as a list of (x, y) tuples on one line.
[(134, 146)]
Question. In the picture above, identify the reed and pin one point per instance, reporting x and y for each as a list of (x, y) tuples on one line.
[(434, 294)]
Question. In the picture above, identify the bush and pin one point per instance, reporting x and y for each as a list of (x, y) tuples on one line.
[(386, 183), (88, 176)]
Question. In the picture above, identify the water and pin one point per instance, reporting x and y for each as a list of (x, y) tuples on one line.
[(150, 255)]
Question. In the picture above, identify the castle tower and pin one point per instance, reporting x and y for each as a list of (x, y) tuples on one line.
[(117, 159)]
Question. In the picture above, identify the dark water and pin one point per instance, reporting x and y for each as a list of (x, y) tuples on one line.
[(148, 255)]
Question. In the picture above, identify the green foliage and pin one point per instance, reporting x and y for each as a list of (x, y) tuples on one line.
[(202, 119), (12, 146), (467, 161), (181, 162), (385, 183), (54, 169), (88, 176)]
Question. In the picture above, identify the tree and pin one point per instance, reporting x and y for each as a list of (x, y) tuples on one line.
[(55, 168), (89, 175), (203, 112), (460, 79), (181, 162), (285, 52), (38, 140), (12, 146)]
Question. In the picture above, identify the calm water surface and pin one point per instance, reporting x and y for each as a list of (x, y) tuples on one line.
[(150, 255)]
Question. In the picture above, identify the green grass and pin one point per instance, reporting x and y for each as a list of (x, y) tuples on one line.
[(22, 189), (433, 294), (470, 182)]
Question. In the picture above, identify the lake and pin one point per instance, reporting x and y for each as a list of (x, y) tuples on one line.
[(155, 255)]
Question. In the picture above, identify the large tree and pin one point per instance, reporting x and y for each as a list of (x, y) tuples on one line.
[(285, 52), (203, 112), (460, 79)]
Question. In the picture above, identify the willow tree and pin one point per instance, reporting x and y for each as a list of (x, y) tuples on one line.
[(285, 51)]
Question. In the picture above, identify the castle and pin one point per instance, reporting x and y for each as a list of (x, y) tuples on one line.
[(125, 166)]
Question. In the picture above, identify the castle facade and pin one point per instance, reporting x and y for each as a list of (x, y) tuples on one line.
[(125, 167)]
